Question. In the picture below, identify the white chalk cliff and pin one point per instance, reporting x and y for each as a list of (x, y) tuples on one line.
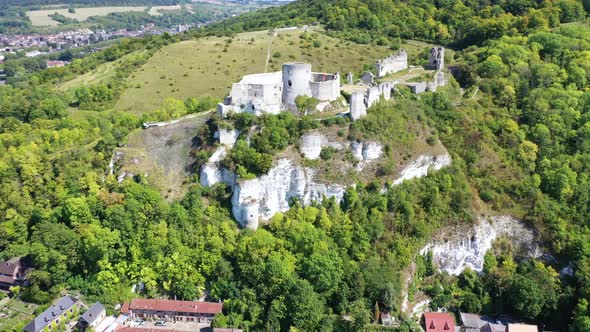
[(366, 151), (421, 166), (311, 145), (464, 248), (262, 197)]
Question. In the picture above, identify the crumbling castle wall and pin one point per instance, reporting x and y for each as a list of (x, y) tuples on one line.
[(392, 64), (372, 96), (358, 108)]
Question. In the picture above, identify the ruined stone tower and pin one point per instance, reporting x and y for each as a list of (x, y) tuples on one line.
[(436, 59), (296, 78)]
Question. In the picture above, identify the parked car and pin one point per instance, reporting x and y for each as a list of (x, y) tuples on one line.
[(160, 323)]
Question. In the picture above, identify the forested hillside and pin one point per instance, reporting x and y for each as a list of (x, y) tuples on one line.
[(517, 125)]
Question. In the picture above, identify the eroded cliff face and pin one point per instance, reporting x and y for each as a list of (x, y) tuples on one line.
[(260, 198), (465, 247), (311, 145), (421, 165)]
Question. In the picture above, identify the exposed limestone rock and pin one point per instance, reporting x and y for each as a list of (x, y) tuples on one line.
[(421, 165), (464, 248), (311, 144), (245, 202), (260, 198), (366, 151), (372, 150), (227, 137), (211, 173)]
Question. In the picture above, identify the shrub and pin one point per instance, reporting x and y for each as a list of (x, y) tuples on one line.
[(328, 153)]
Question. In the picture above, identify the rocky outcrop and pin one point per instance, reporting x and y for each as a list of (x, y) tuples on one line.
[(421, 166), (212, 173), (366, 151), (260, 198), (311, 145), (227, 137), (463, 248)]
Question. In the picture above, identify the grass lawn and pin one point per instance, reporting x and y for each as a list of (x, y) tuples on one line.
[(209, 66)]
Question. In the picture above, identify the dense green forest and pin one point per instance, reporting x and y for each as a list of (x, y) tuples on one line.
[(520, 145)]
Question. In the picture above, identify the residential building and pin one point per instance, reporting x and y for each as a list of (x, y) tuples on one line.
[(11, 273), (92, 317), (477, 323), (438, 322), (61, 311), (522, 328), (172, 310)]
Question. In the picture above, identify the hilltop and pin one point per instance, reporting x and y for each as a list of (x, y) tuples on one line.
[(209, 66)]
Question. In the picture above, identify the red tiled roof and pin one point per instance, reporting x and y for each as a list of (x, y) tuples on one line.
[(176, 306), (142, 329), (125, 308), (439, 322)]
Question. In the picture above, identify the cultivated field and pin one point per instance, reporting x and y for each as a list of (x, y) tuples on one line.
[(209, 66), (41, 17), (157, 10), (14, 314)]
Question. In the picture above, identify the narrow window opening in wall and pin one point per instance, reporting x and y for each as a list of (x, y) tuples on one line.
[(290, 83)]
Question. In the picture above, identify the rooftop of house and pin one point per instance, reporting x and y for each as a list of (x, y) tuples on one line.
[(439, 322), (60, 306), (93, 313), (175, 306), (10, 268), (522, 328)]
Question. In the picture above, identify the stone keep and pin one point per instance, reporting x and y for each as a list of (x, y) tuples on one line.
[(296, 78), (273, 92), (392, 64), (436, 58), (358, 109)]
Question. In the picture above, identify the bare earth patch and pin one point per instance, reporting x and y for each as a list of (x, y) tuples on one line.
[(162, 154)]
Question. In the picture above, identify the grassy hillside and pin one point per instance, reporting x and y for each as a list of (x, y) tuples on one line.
[(210, 65), (101, 74)]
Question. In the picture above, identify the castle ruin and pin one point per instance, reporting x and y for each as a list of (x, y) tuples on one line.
[(436, 58), (392, 64), (274, 92)]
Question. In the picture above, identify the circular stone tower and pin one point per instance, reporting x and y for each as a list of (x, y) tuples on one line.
[(296, 78)]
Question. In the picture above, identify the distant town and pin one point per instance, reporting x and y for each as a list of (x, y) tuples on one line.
[(39, 44)]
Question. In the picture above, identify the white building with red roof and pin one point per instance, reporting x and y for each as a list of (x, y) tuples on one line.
[(172, 310)]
